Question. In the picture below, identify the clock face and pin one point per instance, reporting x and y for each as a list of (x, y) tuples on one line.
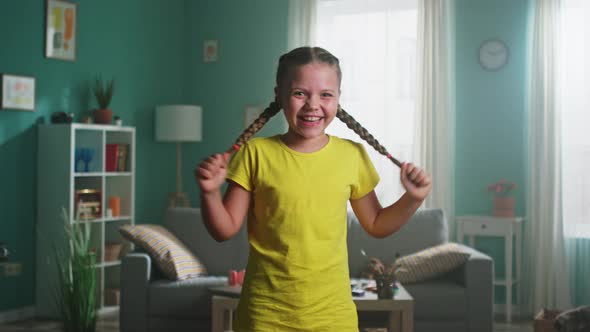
[(493, 54)]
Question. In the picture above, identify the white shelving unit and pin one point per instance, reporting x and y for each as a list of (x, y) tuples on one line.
[(60, 176)]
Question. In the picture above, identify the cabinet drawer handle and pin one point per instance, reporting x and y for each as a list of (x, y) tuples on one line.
[(483, 226)]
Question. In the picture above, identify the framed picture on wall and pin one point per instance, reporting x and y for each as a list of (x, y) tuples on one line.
[(210, 51), (60, 30), (18, 92)]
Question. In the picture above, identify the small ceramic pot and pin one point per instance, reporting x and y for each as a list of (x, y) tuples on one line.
[(103, 116)]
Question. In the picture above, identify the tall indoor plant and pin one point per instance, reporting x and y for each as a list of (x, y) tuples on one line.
[(76, 294), (103, 92)]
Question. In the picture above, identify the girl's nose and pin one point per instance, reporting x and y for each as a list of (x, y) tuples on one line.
[(313, 103)]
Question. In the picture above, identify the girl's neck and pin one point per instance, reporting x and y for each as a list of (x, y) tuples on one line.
[(304, 145)]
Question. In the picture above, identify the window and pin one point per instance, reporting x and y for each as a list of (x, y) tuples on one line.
[(575, 107), (376, 42)]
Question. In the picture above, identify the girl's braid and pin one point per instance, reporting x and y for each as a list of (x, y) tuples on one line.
[(268, 113), (364, 134)]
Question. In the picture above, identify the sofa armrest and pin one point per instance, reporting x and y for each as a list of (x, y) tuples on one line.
[(477, 276), (135, 276)]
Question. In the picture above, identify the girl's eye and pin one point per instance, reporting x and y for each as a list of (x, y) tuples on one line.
[(298, 93), (326, 94)]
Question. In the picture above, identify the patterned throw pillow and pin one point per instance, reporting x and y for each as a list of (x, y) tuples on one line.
[(430, 262), (170, 255)]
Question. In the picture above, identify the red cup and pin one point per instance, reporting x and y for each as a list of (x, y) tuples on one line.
[(240, 277), (232, 277)]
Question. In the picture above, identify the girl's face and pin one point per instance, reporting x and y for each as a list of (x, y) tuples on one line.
[(310, 98)]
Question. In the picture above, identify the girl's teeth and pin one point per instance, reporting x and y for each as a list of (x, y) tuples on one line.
[(310, 118)]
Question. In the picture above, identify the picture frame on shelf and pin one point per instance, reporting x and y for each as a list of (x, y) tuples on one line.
[(18, 92), (61, 22), (88, 203)]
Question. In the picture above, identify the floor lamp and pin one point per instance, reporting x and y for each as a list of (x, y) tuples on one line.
[(178, 123)]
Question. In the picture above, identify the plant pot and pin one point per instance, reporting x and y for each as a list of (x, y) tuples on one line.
[(103, 116), (384, 287), (504, 207), (112, 250)]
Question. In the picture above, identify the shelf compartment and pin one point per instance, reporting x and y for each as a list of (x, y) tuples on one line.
[(119, 186), (88, 150)]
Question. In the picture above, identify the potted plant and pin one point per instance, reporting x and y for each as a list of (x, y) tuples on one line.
[(76, 293), (384, 276), (503, 198), (103, 92)]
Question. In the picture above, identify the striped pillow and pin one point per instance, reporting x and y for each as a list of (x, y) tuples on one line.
[(170, 255), (431, 262)]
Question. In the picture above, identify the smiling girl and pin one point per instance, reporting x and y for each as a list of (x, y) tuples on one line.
[(294, 189)]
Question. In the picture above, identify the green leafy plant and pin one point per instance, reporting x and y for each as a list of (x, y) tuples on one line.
[(76, 293), (103, 91)]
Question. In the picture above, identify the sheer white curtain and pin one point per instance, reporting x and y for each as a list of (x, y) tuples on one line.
[(376, 42), (435, 117), (574, 55), (546, 276), (302, 23), (395, 58)]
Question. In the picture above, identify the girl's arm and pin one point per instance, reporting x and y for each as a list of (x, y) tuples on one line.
[(223, 216), (381, 222)]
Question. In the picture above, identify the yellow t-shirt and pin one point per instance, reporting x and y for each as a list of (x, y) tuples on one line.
[(297, 275)]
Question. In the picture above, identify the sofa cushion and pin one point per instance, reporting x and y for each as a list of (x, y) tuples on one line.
[(430, 263), (427, 228), (218, 257), (190, 299), (438, 299), (169, 254)]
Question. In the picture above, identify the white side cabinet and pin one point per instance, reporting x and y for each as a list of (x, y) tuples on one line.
[(508, 228), (67, 177)]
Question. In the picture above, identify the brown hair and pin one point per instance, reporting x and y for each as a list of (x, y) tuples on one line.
[(299, 57)]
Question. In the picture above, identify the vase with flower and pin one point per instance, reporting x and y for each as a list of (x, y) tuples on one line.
[(503, 193)]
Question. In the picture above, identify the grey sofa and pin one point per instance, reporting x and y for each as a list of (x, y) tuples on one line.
[(458, 301)]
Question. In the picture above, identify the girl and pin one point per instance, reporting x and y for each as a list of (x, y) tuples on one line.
[(294, 188)]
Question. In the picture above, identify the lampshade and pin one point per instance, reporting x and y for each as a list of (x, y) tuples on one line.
[(178, 123)]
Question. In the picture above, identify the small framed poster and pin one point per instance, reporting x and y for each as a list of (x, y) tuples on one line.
[(210, 51), (60, 29), (18, 92)]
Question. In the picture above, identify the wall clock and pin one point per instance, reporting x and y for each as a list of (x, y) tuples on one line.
[(493, 54)]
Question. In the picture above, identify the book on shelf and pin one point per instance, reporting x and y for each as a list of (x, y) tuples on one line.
[(122, 160), (116, 157), (111, 157)]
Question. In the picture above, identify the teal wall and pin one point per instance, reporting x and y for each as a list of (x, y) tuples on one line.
[(138, 42), (153, 49), (490, 111), (252, 35)]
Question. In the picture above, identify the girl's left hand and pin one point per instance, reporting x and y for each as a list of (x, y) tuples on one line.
[(416, 181)]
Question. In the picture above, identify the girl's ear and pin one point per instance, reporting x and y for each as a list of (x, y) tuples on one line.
[(276, 93)]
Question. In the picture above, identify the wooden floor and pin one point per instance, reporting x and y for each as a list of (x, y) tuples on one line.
[(111, 324)]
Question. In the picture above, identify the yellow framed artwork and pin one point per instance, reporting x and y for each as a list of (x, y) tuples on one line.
[(60, 30), (18, 92)]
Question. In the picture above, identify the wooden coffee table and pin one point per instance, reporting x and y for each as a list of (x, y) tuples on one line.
[(401, 308)]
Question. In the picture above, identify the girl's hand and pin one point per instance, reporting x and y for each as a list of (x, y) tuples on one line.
[(210, 174), (416, 181)]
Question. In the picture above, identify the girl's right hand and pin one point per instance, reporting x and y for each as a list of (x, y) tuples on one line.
[(210, 174)]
